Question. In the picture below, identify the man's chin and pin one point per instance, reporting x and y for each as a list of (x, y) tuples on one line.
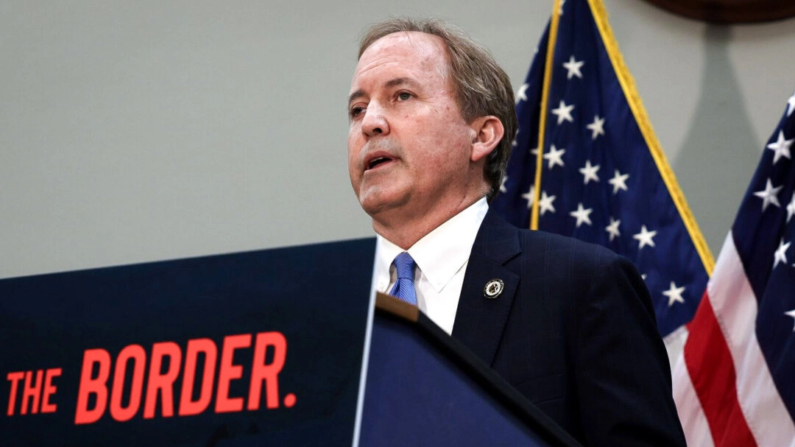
[(373, 208), (377, 204)]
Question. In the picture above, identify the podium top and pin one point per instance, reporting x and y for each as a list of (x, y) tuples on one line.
[(469, 364)]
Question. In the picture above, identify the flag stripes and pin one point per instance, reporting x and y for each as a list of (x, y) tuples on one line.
[(724, 366)]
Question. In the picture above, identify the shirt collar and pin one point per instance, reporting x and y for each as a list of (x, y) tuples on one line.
[(445, 250)]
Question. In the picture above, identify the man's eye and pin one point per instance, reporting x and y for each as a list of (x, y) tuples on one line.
[(402, 96), (356, 111)]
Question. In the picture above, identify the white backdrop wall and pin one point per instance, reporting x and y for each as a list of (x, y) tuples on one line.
[(140, 131)]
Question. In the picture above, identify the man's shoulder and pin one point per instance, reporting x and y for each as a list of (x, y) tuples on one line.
[(557, 245), (545, 247), (567, 260)]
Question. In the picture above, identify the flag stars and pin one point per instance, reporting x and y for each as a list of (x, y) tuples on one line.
[(619, 181), (769, 195), (781, 253), (554, 156), (545, 204), (645, 237), (791, 314), (502, 184), (791, 208), (521, 95), (563, 112), (674, 294), (597, 127), (781, 147), (582, 215), (573, 67), (589, 172), (530, 196), (612, 229)]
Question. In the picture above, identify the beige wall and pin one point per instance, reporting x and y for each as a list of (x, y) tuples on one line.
[(139, 131)]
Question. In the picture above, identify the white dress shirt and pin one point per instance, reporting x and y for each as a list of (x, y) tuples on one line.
[(441, 257)]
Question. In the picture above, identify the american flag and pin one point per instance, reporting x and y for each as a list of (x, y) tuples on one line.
[(602, 176), (735, 384)]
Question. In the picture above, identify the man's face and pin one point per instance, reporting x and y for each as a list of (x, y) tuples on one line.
[(408, 145)]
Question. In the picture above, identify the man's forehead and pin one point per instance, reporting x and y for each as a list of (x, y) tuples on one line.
[(413, 41), (409, 50)]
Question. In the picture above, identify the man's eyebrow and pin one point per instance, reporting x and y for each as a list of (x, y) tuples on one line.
[(389, 84), (355, 95), (399, 81)]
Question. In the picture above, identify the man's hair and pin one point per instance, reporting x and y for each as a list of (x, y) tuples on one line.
[(481, 86)]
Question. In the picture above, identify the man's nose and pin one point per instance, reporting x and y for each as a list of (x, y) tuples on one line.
[(374, 122)]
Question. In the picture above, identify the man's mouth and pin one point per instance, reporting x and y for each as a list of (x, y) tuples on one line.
[(377, 161)]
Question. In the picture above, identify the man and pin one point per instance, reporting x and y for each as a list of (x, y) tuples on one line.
[(569, 324)]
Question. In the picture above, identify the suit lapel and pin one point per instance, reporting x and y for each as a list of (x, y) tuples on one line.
[(480, 321)]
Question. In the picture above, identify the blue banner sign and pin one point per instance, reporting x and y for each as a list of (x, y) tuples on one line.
[(240, 349)]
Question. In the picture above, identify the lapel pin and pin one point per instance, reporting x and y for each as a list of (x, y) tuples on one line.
[(493, 288)]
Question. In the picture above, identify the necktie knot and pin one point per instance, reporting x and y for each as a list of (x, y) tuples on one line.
[(404, 286), (404, 264)]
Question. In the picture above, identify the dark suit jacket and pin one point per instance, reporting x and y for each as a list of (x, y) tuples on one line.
[(574, 331)]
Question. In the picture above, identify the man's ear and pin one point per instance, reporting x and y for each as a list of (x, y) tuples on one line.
[(487, 132)]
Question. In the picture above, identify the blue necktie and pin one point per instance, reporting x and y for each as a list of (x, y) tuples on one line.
[(404, 286)]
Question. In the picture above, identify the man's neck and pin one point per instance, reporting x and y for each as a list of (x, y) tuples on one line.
[(406, 231)]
